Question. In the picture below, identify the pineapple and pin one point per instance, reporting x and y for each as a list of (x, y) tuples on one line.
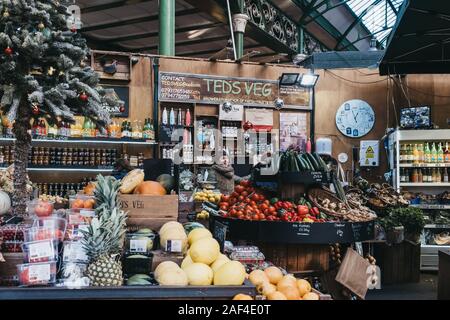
[(103, 239)]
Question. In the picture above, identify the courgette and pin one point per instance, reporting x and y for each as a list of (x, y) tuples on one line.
[(320, 161), (313, 161), (307, 162)]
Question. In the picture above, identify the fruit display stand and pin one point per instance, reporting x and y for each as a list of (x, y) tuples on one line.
[(129, 292)]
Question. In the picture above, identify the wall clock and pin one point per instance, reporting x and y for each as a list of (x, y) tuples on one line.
[(355, 118)]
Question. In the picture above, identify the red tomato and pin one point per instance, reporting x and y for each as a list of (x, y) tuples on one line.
[(253, 203), (272, 209), (247, 200), (224, 208), (267, 202), (255, 197), (244, 193), (302, 210), (262, 217), (241, 198), (255, 217), (262, 198), (233, 212), (241, 217), (225, 198), (225, 214), (240, 213), (264, 206), (245, 183), (224, 204), (239, 189), (234, 195), (266, 212)]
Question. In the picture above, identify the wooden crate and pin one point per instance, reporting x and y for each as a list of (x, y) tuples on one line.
[(161, 256), (8, 269), (297, 258), (150, 211), (399, 263)]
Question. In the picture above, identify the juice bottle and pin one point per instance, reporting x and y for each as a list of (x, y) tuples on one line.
[(86, 128), (416, 154), (440, 154), (446, 153), (433, 153)]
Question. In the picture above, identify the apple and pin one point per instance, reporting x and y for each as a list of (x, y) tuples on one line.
[(43, 209)]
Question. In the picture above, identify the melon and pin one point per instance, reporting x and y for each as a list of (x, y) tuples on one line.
[(169, 225), (131, 181), (150, 188), (277, 295), (303, 287), (199, 274), (257, 277), (273, 274), (205, 250), (242, 296), (187, 261), (173, 277), (164, 266), (230, 274), (266, 288), (167, 181), (218, 263), (197, 234)]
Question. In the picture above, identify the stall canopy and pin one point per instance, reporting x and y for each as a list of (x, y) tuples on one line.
[(420, 41)]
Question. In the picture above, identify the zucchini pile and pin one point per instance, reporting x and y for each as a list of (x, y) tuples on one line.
[(293, 161)]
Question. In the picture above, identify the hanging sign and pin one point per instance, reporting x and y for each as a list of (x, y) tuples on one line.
[(207, 89), (231, 113), (121, 93), (261, 119), (369, 153)]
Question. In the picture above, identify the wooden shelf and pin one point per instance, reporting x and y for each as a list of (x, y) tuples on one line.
[(425, 165), (420, 184), (87, 141)]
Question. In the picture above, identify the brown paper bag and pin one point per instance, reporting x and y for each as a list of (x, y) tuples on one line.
[(353, 273)]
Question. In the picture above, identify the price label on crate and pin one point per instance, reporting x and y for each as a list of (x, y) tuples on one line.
[(40, 250), (39, 272), (174, 246), (138, 245)]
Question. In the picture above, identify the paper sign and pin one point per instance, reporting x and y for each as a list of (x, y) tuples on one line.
[(41, 250), (174, 246), (231, 113), (261, 119), (369, 154), (39, 273), (138, 246)]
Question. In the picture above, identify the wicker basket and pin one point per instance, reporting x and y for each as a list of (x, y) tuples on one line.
[(321, 193)]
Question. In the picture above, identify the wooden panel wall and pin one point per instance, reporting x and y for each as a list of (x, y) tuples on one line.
[(432, 90), (331, 92)]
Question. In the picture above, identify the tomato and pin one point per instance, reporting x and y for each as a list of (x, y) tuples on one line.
[(233, 212), (245, 183), (262, 216), (240, 213), (262, 198), (225, 214), (241, 198), (267, 202), (253, 203), (264, 206), (239, 189), (247, 200), (225, 198), (302, 210), (250, 190), (255, 217), (255, 197), (244, 193), (224, 204), (234, 195), (266, 212), (224, 208), (43, 209), (272, 209), (241, 216), (258, 211)]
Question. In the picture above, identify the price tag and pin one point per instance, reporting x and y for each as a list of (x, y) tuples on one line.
[(74, 251), (41, 250), (174, 246), (87, 213), (139, 246), (49, 223), (39, 272)]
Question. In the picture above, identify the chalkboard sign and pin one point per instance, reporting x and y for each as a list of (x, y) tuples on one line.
[(208, 89), (166, 134), (121, 93), (220, 234), (296, 232), (306, 178)]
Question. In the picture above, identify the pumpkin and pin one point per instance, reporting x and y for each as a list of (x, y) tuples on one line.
[(150, 188), (5, 203), (89, 189), (131, 181), (167, 181)]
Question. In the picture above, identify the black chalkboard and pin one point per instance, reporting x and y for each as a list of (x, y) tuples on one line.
[(166, 134), (220, 234)]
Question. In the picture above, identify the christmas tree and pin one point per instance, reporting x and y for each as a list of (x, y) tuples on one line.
[(43, 75)]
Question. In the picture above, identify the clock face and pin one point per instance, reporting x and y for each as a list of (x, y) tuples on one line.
[(355, 118)]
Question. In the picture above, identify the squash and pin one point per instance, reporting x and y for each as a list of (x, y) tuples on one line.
[(150, 188), (173, 277), (205, 250), (165, 266), (174, 234), (230, 274), (5, 203), (198, 234), (171, 225), (218, 263), (187, 261), (167, 181), (199, 274), (131, 181)]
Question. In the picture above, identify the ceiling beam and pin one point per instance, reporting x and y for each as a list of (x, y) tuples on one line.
[(392, 6), (212, 51), (155, 33), (321, 13), (185, 42), (121, 23), (117, 4), (358, 20), (367, 37)]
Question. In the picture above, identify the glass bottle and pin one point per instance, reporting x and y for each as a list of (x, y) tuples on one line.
[(445, 178), (433, 153), (416, 154), (165, 118), (446, 153), (172, 117), (440, 154), (427, 153)]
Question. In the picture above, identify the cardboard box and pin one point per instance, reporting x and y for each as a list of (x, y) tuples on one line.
[(150, 211)]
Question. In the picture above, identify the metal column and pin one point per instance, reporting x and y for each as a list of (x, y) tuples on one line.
[(239, 36), (167, 27)]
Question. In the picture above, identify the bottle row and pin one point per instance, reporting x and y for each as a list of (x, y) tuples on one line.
[(61, 189), (181, 118), (40, 156), (83, 127), (418, 153), (424, 175)]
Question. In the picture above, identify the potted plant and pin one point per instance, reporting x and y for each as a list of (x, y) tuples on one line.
[(394, 231), (411, 219)]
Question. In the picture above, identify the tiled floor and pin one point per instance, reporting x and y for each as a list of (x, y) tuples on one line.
[(426, 289)]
